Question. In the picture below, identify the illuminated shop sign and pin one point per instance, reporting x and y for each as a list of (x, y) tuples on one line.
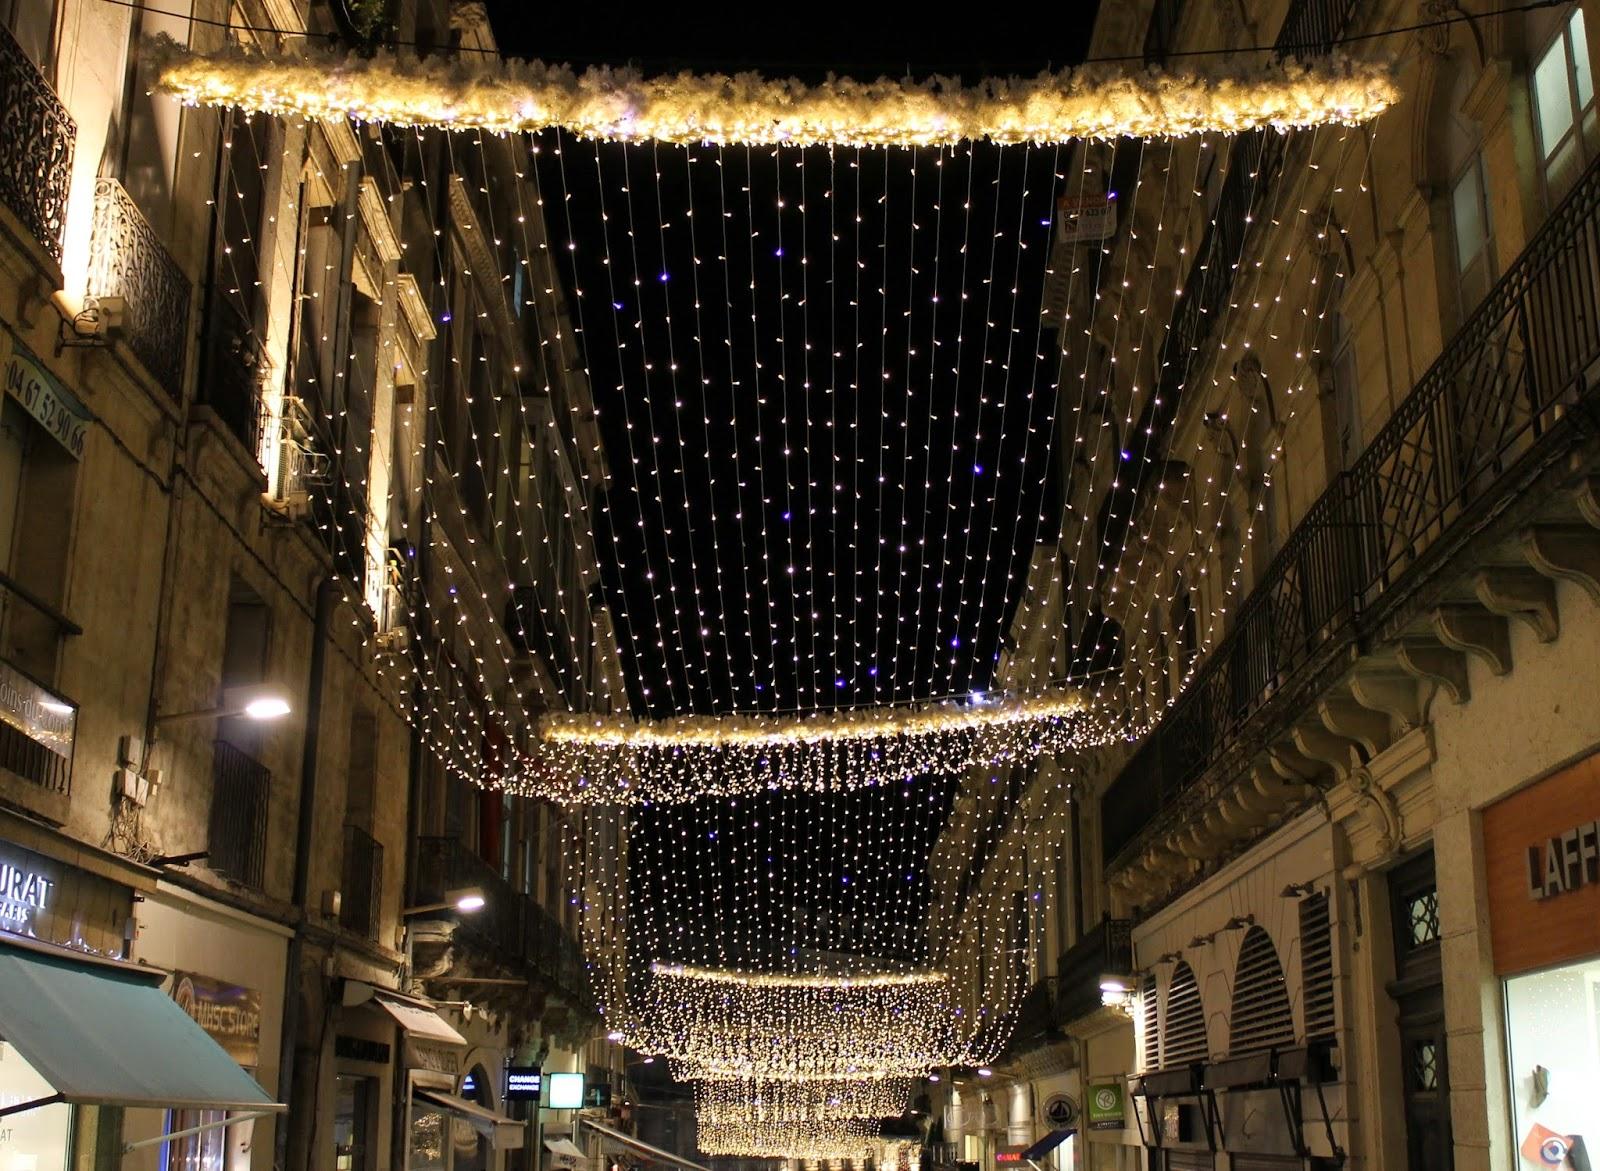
[(23, 894)]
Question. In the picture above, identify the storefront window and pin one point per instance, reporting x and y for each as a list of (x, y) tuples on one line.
[(34, 1140), (217, 1148), (1553, 1022), (428, 1131), (352, 1123)]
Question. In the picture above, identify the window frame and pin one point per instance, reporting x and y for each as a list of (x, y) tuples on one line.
[(1575, 133)]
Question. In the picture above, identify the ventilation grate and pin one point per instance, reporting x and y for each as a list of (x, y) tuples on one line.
[(1183, 1035), (1152, 1022), (1316, 965), (1261, 1015)]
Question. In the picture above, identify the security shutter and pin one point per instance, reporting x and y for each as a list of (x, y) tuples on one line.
[(1261, 1015), (1152, 1021), (1183, 1033), (1316, 965)]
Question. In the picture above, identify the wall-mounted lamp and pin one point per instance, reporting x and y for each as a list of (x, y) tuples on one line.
[(1169, 957), (1116, 991), (467, 899), (1238, 922), (257, 702), (1202, 940), (1297, 890)]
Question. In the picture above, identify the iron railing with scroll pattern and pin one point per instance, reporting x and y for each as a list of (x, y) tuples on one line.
[(1106, 949), (1503, 391), (361, 884), (128, 260), (235, 368), (36, 149)]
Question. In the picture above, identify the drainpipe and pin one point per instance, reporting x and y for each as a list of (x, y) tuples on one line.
[(305, 825)]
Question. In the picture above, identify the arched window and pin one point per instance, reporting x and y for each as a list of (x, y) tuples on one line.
[(1183, 1032), (1261, 1017)]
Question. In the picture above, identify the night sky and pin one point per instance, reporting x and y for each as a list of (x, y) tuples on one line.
[(828, 427)]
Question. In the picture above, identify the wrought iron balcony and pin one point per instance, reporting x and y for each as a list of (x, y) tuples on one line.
[(235, 366), (240, 798), (128, 260), (36, 150), (1105, 949), (1508, 390), (361, 884)]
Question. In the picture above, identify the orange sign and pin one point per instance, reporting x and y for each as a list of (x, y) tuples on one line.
[(1542, 851)]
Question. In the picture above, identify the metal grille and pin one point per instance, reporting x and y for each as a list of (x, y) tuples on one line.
[(1183, 1032), (127, 259), (1261, 1016), (36, 150), (1149, 1006), (237, 840), (1316, 965), (361, 888)]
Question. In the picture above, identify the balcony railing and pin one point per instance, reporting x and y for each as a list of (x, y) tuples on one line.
[(1500, 396), (512, 926), (235, 366), (361, 886), (1105, 949), (240, 798), (128, 260), (36, 149)]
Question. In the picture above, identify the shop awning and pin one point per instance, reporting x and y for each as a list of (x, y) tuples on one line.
[(416, 1017), (1048, 1143), (103, 1032), (627, 1142), (505, 1133), (565, 1148)]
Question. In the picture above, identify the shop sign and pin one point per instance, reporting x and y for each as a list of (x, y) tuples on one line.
[(361, 1049), (1541, 850), (1060, 1111), (1105, 1107), (23, 894), (230, 1013), (1086, 219), (52, 405), (1565, 862), (523, 1083), (48, 720), (1010, 1155), (432, 1058)]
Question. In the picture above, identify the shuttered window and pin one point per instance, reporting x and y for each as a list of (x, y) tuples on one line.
[(1261, 1015), (1316, 965), (1183, 1033), (1152, 1022)]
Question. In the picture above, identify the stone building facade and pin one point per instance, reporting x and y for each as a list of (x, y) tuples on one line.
[(230, 349), (1339, 882)]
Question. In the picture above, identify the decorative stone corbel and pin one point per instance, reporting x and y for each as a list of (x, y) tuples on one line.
[(1570, 552), (1393, 694), (1470, 628), (1293, 765), (1317, 742), (1345, 717), (1435, 663), (1588, 500), (1523, 594), (1379, 810)]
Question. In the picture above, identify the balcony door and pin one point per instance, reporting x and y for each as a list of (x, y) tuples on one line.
[(1418, 994)]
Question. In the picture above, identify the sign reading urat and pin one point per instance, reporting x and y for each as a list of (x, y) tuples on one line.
[(23, 893)]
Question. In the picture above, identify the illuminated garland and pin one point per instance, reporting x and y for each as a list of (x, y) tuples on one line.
[(506, 97), (839, 1138), (613, 759), (732, 1025), (730, 1101)]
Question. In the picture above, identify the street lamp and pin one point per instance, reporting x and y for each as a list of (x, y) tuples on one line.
[(466, 899), (255, 702)]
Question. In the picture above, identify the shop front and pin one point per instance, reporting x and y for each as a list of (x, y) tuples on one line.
[(1542, 871)]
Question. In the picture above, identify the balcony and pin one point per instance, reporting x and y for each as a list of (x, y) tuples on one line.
[(36, 150), (128, 260), (1509, 395), (240, 798), (361, 883), (512, 929), (1105, 949), (235, 367)]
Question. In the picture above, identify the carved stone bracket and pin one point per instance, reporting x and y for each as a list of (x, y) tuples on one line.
[(1347, 718), (1393, 694), (1588, 500), (1570, 552), (1522, 594), (1471, 628), (1380, 811), (1434, 663), (1318, 743)]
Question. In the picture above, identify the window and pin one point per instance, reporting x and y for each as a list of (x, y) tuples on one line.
[(1261, 1016), (33, 24), (38, 1139), (1564, 114), (1183, 1037), (1553, 1028), (219, 1148), (352, 1123), (1469, 216)]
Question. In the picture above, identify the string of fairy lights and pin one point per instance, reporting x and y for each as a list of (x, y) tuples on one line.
[(701, 561)]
